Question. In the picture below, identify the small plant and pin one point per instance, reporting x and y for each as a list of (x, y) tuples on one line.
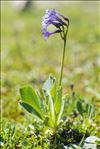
[(86, 112), (49, 109)]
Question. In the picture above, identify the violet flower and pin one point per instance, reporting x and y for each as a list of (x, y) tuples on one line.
[(61, 23), (54, 18)]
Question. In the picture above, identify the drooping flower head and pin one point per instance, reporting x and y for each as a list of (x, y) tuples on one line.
[(54, 18)]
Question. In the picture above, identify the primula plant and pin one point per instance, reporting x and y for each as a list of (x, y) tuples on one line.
[(50, 108)]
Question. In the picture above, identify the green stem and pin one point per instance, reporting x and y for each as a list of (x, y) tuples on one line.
[(63, 56), (81, 141)]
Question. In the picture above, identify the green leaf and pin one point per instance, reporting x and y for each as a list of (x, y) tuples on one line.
[(61, 111), (53, 91), (58, 101), (79, 107), (89, 110), (29, 96), (52, 112), (49, 83), (50, 87), (30, 109)]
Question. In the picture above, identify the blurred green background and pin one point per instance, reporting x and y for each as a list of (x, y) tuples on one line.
[(28, 59)]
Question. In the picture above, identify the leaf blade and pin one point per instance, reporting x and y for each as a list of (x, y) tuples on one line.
[(79, 107), (58, 100), (29, 96), (30, 110)]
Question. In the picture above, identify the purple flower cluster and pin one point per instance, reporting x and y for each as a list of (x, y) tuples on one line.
[(54, 18)]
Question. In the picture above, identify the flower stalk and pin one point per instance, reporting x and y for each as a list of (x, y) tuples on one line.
[(61, 23), (63, 56)]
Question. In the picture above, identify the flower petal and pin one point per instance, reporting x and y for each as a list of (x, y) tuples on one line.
[(47, 34), (54, 18)]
